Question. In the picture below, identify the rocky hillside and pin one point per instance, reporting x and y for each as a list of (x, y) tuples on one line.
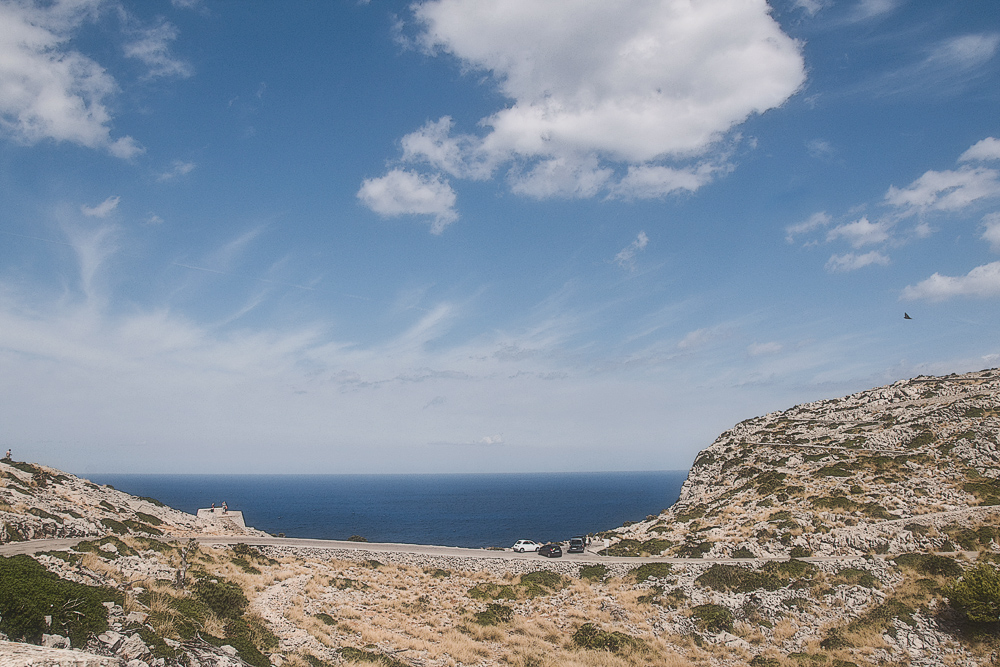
[(37, 501), (912, 466)]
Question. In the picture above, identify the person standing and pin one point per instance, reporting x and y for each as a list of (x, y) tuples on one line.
[(7, 457)]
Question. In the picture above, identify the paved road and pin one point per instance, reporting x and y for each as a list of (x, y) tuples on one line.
[(38, 546)]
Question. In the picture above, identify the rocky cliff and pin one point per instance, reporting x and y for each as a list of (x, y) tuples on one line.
[(41, 502), (909, 466)]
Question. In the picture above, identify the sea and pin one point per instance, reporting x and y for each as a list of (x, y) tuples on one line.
[(460, 510)]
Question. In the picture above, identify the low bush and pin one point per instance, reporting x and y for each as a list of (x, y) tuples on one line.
[(590, 636), (976, 596), (149, 518), (494, 614), (115, 526), (491, 591), (352, 654), (651, 571), (357, 538), (694, 549), (593, 572), (224, 598), (723, 577), (712, 618), (930, 564), (856, 577), (29, 593)]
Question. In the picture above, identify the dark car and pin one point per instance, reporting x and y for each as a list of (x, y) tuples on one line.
[(550, 551), (576, 545)]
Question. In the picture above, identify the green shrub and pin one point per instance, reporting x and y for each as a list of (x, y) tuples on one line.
[(140, 527), (223, 597), (930, 564), (154, 501), (326, 618), (723, 577), (590, 636), (13, 534), (630, 547), (712, 618), (494, 614), (29, 593), (836, 503), (976, 596), (835, 470), (651, 571), (357, 538), (800, 552), (115, 526), (108, 506), (149, 518), (790, 569), (352, 654), (743, 552), (694, 549), (42, 514), (593, 572), (490, 591), (539, 583), (94, 546), (856, 577), (880, 617)]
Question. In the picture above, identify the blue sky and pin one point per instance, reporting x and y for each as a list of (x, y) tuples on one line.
[(459, 236)]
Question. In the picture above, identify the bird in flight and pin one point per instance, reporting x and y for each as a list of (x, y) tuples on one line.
[(906, 316)]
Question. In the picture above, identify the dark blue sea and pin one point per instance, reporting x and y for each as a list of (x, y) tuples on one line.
[(460, 510)]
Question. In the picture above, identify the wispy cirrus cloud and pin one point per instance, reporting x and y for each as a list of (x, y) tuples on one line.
[(151, 46), (103, 209), (626, 256), (178, 168)]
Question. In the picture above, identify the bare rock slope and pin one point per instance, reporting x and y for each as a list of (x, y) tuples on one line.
[(41, 502), (905, 467)]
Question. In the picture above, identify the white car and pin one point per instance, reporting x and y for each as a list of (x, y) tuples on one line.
[(526, 545)]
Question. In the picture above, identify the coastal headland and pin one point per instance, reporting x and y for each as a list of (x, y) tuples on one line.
[(852, 531)]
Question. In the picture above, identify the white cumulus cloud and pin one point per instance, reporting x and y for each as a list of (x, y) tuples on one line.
[(982, 281), (983, 150), (628, 98), (48, 90), (402, 192)]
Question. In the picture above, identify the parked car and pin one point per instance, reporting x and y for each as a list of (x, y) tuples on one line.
[(526, 545), (551, 550), (576, 545)]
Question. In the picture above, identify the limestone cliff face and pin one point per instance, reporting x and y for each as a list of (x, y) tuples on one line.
[(37, 501), (912, 465)]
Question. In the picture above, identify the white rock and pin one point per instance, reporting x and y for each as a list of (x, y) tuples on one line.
[(55, 641)]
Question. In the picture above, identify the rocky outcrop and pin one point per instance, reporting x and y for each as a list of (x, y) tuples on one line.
[(910, 466), (41, 502), (13, 654)]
